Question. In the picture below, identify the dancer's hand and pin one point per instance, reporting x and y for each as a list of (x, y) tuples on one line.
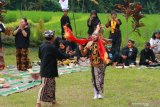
[(89, 44), (80, 47)]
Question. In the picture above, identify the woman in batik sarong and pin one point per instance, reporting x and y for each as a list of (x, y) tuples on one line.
[(115, 32), (22, 39), (48, 53), (2, 29)]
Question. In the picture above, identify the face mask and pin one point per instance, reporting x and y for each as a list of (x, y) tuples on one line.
[(109, 46)]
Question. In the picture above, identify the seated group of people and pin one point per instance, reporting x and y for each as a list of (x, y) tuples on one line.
[(125, 57), (128, 55), (70, 49)]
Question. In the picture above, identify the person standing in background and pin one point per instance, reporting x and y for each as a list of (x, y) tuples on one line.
[(92, 22), (65, 21), (115, 32), (22, 40), (2, 29)]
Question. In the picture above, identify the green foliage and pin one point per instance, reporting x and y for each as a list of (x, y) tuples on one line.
[(150, 6), (35, 16), (38, 32)]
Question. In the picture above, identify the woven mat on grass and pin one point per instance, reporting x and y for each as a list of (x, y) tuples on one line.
[(22, 81)]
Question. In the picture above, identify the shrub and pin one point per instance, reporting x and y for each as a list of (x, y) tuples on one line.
[(38, 32)]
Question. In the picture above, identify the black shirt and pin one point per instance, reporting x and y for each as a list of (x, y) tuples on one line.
[(93, 25), (131, 53), (49, 54), (2, 29), (72, 45), (20, 40), (117, 28), (65, 20), (147, 54), (57, 41)]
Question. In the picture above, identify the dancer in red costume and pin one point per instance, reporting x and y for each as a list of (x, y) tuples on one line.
[(98, 58)]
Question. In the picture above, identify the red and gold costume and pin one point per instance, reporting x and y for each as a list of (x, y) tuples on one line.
[(98, 59)]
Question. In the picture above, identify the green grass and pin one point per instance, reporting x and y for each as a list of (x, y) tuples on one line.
[(52, 21), (122, 86)]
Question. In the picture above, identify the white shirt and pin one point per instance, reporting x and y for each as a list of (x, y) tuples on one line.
[(153, 42)]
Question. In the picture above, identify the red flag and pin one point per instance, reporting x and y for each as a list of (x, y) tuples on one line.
[(101, 49), (70, 36)]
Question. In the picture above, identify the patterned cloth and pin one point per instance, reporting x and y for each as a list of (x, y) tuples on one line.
[(23, 62), (2, 64), (98, 74), (47, 91)]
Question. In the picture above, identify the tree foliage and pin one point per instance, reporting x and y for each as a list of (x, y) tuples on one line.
[(149, 6)]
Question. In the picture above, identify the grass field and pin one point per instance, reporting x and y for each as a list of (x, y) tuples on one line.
[(123, 88), (52, 21)]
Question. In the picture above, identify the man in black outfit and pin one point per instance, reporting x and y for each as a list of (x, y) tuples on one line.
[(129, 54), (48, 53), (147, 56), (115, 32), (65, 21), (112, 54), (92, 22)]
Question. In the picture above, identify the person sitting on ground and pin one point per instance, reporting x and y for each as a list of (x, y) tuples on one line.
[(155, 42), (112, 54), (65, 49), (56, 40), (147, 57), (79, 55), (73, 47), (128, 54)]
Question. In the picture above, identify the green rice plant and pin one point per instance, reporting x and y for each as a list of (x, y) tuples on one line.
[(10, 17), (35, 16)]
